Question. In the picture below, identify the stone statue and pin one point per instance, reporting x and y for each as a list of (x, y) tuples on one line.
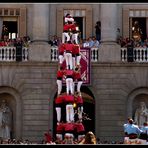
[(5, 120), (141, 114)]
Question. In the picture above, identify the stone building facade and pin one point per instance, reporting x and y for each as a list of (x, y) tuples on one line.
[(30, 87)]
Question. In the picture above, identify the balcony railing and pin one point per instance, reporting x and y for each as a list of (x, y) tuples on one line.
[(54, 54), (9, 54), (139, 54)]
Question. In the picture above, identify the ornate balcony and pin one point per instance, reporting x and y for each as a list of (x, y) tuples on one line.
[(9, 54), (139, 54)]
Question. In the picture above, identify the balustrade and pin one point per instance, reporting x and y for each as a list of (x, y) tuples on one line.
[(9, 54)]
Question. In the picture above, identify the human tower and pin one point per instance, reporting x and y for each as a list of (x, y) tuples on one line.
[(69, 105)]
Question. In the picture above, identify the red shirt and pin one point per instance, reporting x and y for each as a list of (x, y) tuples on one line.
[(79, 127), (60, 128), (60, 74), (48, 137), (69, 72), (77, 49), (79, 100), (73, 27), (69, 99), (69, 47), (66, 27), (61, 49), (77, 76), (69, 127), (59, 100)]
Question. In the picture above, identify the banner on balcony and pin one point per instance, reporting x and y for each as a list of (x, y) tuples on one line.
[(85, 65)]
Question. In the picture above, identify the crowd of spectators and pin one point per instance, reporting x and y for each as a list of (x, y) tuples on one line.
[(11, 42), (135, 43), (88, 139), (90, 42)]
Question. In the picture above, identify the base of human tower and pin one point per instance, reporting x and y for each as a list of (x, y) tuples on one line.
[(70, 127)]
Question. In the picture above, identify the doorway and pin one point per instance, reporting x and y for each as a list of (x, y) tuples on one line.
[(139, 28), (12, 28)]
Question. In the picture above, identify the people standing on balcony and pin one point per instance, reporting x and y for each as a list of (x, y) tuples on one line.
[(98, 30), (54, 40), (91, 42), (5, 33), (69, 47), (96, 43), (85, 43), (18, 44)]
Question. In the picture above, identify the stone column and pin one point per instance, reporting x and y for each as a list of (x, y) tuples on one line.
[(109, 50), (40, 49)]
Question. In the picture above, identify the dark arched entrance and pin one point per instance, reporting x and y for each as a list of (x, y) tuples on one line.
[(88, 108)]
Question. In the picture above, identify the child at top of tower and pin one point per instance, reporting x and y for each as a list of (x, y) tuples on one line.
[(68, 19)]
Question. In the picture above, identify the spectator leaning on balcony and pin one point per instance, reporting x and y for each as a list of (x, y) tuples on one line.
[(53, 41), (91, 42), (96, 42), (85, 43)]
